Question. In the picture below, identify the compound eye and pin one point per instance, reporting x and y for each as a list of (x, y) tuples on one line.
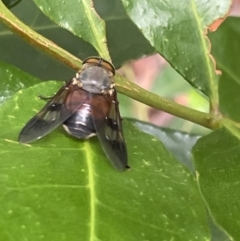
[(100, 62)]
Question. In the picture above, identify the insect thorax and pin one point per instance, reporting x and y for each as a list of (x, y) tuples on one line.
[(95, 79)]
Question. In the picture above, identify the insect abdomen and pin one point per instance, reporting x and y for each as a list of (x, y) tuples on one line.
[(80, 124)]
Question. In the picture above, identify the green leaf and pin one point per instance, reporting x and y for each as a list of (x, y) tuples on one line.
[(176, 30), (180, 145), (60, 188), (31, 59), (227, 57), (80, 18), (217, 164), (124, 40), (177, 142), (110, 10), (12, 80), (124, 44), (127, 42)]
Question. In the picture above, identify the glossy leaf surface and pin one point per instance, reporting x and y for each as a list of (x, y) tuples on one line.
[(176, 30), (12, 80), (63, 188), (59, 188), (216, 159), (83, 21), (227, 57)]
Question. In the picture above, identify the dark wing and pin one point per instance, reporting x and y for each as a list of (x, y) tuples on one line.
[(67, 100), (108, 125)]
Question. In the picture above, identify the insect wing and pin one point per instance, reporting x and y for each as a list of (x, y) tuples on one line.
[(54, 113), (108, 126)]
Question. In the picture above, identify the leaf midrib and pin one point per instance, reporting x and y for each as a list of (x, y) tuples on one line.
[(95, 31), (91, 186), (212, 88)]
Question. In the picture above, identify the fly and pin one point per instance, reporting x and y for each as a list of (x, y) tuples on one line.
[(87, 105)]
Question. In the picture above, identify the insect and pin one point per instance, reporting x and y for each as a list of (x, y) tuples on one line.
[(87, 105)]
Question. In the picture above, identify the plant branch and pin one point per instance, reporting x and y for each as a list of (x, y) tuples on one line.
[(136, 92), (122, 85)]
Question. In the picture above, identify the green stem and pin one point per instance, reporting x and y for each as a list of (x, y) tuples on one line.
[(136, 92), (122, 85)]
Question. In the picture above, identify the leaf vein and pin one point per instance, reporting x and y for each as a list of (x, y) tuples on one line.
[(91, 185)]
